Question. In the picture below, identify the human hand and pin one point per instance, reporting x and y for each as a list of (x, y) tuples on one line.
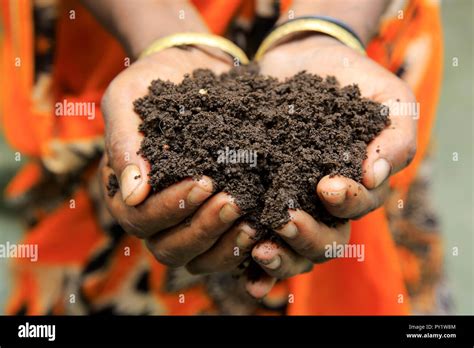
[(177, 234), (388, 153)]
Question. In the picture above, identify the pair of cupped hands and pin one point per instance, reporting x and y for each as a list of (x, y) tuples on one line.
[(202, 235)]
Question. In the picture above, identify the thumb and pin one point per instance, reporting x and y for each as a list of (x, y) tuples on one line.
[(393, 149), (129, 167), (122, 141)]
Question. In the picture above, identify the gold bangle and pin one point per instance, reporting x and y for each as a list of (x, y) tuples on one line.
[(310, 24), (182, 39)]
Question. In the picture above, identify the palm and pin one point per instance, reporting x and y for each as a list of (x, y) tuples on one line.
[(394, 147), (171, 64), (335, 59)]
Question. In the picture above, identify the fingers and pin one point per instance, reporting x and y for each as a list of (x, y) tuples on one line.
[(346, 198), (279, 261), (161, 210), (121, 122), (309, 238), (180, 244), (257, 282), (394, 148), (261, 287), (227, 253), (307, 242), (123, 141)]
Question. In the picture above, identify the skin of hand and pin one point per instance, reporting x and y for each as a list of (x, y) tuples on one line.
[(392, 150), (192, 235)]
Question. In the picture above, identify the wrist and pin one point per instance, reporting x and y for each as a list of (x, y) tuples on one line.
[(211, 53), (364, 34), (304, 45), (213, 45), (362, 16), (153, 20), (299, 43), (136, 43), (202, 56)]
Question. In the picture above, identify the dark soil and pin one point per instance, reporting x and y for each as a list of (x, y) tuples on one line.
[(113, 185), (301, 130)]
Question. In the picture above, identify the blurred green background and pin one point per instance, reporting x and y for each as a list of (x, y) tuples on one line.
[(453, 181)]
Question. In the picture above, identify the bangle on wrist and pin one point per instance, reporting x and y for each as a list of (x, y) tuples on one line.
[(321, 24), (186, 39)]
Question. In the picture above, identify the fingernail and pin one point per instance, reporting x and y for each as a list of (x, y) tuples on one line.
[(336, 192), (245, 237), (199, 194), (381, 171), (228, 213), (289, 230), (337, 197), (130, 179), (274, 263)]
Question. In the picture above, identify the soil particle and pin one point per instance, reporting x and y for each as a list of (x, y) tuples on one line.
[(265, 142), (113, 185)]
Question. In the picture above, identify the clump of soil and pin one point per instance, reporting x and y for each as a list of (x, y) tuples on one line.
[(113, 185), (298, 131)]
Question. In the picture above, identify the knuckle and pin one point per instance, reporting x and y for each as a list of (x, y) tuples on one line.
[(319, 258), (375, 202), (134, 228), (116, 149), (205, 231), (170, 207), (344, 211), (285, 272), (221, 263), (309, 248), (378, 199), (291, 268), (229, 262), (197, 268), (194, 269), (164, 256), (307, 267)]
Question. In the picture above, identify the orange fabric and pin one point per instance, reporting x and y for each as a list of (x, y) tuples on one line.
[(17, 69), (348, 287), (63, 238), (83, 71), (342, 286), (217, 13), (427, 24), (25, 179), (188, 302), (101, 287), (26, 295), (426, 89), (410, 265), (68, 235)]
